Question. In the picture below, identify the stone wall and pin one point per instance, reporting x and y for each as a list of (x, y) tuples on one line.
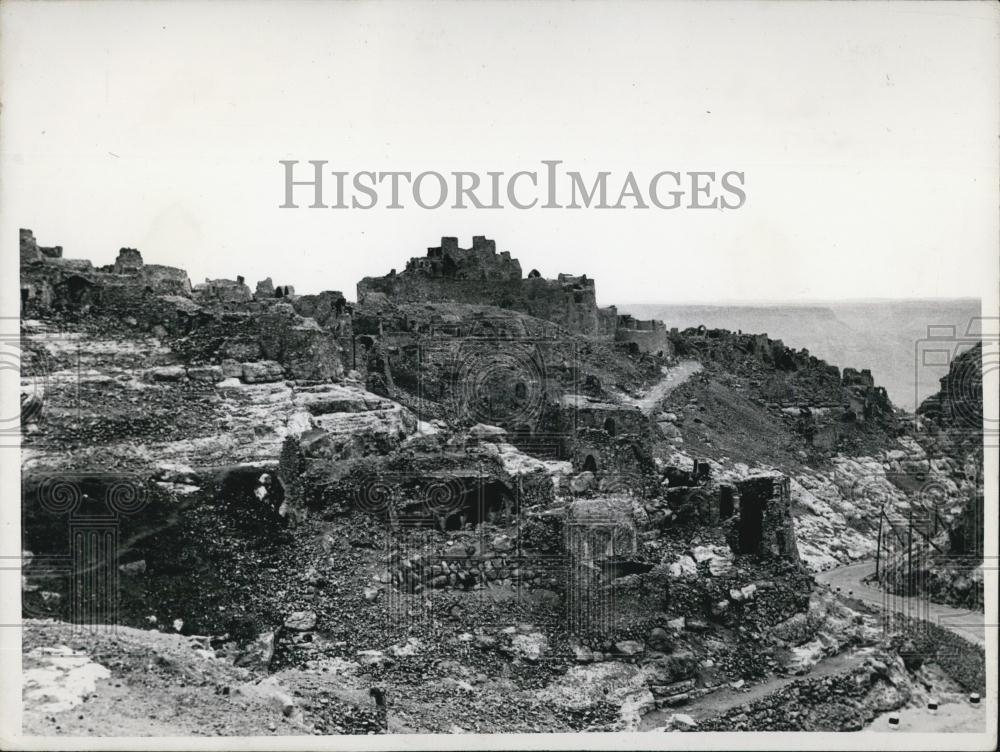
[(647, 336), (765, 526), (48, 279), (223, 291), (31, 251), (168, 280)]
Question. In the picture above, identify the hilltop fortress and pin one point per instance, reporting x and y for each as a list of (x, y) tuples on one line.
[(480, 275)]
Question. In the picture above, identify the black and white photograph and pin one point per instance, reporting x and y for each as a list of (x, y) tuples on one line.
[(523, 375)]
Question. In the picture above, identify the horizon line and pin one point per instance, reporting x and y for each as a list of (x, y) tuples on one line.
[(786, 302)]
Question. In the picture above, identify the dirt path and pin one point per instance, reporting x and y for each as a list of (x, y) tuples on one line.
[(673, 377), (968, 624)]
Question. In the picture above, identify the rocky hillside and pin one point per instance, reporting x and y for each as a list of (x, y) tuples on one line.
[(939, 552), (437, 516)]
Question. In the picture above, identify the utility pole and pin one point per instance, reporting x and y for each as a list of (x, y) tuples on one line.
[(909, 554), (878, 549)]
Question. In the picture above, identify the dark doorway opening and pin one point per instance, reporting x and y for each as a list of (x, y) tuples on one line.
[(590, 464), (609, 426), (751, 521)]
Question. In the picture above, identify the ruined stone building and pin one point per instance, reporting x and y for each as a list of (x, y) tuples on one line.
[(480, 275), (253, 334), (646, 336), (765, 524), (47, 277)]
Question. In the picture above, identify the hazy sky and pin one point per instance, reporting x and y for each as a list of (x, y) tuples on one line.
[(867, 133)]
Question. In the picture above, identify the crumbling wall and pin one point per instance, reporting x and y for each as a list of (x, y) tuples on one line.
[(613, 418), (31, 251), (223, 291), (329, 309), (129, 261), (647, 336), (49, 280), (266, 289), (166, 280), (619, 463), (765, 525)]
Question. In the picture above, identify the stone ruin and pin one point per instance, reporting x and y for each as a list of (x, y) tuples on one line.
[(763, 510), (479, 275), (645, 336), (48, 278), (264, 336)]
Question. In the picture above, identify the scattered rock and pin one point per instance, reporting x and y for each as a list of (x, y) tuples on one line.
[(271, 692), (583, 482), (659, 639), (412, 646), (502, 544), (176, 472), (301, 621), (371, 657), (262, 371), (165, 373), (630, 648), (682, 720), (482, 432), (684, 567), (210, 374), (257, 656), (530, 647), (133, 568)]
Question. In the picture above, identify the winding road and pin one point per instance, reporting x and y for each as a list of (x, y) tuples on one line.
[(968, 624)]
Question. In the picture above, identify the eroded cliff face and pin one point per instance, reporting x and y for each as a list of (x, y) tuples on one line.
[(437, 500)]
